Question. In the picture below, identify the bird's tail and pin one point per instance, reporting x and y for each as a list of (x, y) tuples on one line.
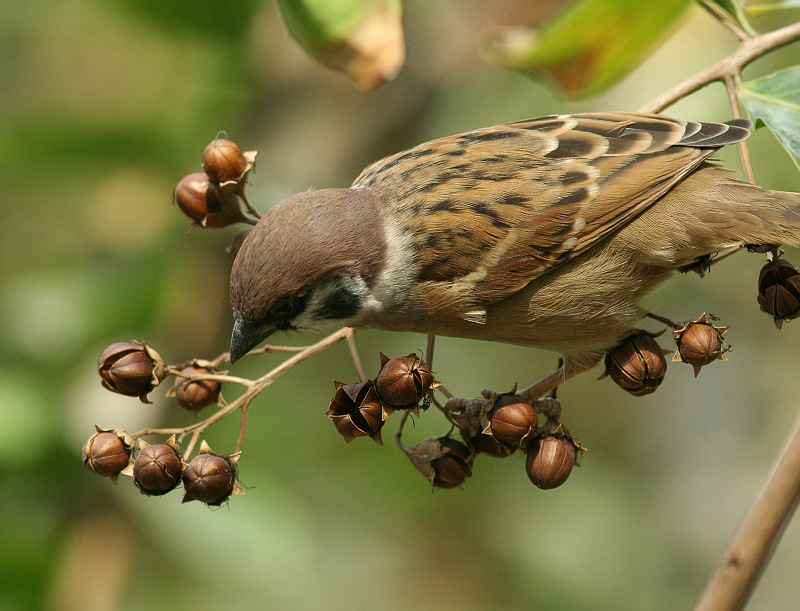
[(718, 211)]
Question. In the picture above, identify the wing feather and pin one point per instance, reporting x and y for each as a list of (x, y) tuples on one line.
[(493, 209)]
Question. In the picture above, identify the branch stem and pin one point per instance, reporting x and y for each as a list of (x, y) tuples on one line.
[(254, 387), (749, 50), (753, 542), (351, 343)]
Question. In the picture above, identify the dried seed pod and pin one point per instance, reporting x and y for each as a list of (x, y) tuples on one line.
[(404, 381), (444, 462), (107, 452), (206, 204), (158, 468), (131, 368), (550, 458), (209, 477), (194, 395), (357, 411), (484, 443), (512, 420), (637, 364), (700, 343), (237, 242), (779, 290), (195, 196), (223, 161)]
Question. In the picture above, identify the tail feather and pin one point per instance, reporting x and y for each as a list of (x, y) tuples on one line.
[(712, 210)]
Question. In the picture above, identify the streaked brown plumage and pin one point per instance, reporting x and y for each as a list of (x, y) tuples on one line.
[(544, 232)]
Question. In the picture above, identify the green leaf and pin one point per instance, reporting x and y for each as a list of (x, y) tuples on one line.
[(589, 46), (775, 100)]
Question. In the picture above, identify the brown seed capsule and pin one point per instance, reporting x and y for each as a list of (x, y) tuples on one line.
[(637, 364), (209, 477), (550, 460), (512, 420), (107, 453), (157, 469), (194, 395), (700, 343), (444, 462), (490, 445), (223, 161), (454, 466), (195, 195), (207, 205), (356, 411), (779, 291), (131, 368), (237, 242), (404, 381)]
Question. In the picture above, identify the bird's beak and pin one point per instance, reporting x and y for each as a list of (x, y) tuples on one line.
[(246, 336)]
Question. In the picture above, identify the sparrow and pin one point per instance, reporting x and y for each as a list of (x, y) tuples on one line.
[(545, 232)]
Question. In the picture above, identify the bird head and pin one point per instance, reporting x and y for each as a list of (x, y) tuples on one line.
[(309, 263)]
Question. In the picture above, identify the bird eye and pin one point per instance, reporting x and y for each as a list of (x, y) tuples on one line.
[(284, 309)]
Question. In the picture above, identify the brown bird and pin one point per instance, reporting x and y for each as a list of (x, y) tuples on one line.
[(545, 233)]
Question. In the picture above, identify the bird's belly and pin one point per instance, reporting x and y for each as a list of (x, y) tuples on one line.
[(584, 307)]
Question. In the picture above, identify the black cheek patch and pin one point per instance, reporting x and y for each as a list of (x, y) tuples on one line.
[(339, 305)]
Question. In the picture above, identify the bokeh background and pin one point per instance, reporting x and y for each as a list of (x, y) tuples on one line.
[(105, 105)]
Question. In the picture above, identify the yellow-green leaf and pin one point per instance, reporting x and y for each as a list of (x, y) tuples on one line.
[(589, 46)]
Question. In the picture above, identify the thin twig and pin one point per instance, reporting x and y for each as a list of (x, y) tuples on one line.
[(663, 320), (398, 435), (271, 348), (216, 377), (351, 343), (249, 207), (254, 388), (750, 548), (545, 385), (195, 436), (242, 428), (429, 361), (748, 50), (744, 150), (429, 350), (441, 388)]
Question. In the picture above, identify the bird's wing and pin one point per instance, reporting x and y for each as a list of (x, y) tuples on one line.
[(495, 208)]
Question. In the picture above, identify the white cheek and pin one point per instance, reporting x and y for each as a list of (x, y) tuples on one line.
[(398, 273), (308, 322)]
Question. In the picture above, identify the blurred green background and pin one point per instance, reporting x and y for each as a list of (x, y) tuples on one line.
[(105, 106)]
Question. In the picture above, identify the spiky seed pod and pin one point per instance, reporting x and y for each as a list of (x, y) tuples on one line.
[(779, 290), (700, 343), (357, 411)]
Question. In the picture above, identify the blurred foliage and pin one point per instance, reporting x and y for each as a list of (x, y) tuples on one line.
[(734, 9), (106, 105), (361, 38), (589, 46), (756, 9)]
